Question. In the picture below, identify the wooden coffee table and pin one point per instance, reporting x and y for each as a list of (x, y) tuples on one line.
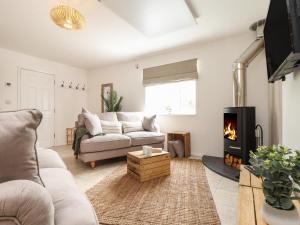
[(144, 168)]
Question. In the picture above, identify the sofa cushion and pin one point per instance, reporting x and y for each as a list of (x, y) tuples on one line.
[(108, 116), (49, 159), (145, 138), (18, 157), (71, 206), (81, 116), (23, 202), (132, 126), (109, 127), (149, 123), (130, 116), (92, 123), (106, 142)]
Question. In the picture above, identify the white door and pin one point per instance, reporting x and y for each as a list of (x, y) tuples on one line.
[(37, 92)]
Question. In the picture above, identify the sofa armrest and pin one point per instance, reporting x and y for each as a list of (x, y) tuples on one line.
[(84, 137), (26, 203)]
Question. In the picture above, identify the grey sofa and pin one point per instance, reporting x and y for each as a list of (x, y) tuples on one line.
[(25, 202), (116, 145)]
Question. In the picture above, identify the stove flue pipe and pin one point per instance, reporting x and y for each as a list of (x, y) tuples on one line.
[(240, 71)]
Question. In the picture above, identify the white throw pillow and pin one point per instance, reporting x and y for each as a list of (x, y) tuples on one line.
[(132, 126), (111, 127), (92, 123)]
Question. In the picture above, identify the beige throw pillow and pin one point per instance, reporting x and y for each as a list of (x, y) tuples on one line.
[(92, 123), (81, 116), (149, 123), (132, 126), (18, 157), (109, 127)]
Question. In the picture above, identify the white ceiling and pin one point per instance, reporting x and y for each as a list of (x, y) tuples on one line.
[(25, 26)]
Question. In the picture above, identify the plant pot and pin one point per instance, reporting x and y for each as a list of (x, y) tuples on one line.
[(273, 216)]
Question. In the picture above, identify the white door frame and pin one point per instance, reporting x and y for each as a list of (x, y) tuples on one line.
[(20, 69)]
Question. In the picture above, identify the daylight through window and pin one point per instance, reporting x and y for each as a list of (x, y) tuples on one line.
[(178, 98)]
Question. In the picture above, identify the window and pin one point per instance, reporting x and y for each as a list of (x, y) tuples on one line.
[(177, 98)]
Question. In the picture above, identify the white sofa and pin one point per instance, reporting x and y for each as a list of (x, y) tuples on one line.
[(116, 145)]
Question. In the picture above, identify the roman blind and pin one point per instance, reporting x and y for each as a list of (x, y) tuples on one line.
[(174, 72)]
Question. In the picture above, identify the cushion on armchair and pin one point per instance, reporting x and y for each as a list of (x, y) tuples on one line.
[(18, 156), (49, 159)]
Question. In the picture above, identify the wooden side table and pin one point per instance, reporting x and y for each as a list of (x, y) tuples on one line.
[(185, 137), (70, 135)]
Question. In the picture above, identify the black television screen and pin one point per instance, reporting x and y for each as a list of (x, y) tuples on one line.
[(278, 43)]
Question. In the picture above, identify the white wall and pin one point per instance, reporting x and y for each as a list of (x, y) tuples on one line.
[(68, 102), (291, 111), (214, 89)]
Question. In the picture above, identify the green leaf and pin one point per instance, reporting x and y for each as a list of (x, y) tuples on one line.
[(112, 102)]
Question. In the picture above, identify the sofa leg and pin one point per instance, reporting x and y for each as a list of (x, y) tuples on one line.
[(76, 156), (93, 164)]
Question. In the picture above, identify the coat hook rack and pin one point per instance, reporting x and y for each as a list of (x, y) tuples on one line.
[(77, 87), (63, 84), (8, 84), (83, 88), (71, 85)]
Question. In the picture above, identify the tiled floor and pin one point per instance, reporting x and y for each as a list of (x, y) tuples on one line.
[(224, 191)]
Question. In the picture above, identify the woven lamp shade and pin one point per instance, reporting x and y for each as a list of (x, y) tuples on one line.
[(67, 17)]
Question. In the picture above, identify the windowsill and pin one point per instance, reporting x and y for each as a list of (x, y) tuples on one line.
[(195, 114)]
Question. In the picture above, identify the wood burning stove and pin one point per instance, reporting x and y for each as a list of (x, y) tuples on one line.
[(239, 121), (239, 135)]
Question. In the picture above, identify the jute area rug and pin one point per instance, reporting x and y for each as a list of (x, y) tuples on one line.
[(182, 198)]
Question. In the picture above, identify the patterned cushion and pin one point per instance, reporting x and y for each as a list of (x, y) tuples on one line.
[(109, 127), (132, 126)]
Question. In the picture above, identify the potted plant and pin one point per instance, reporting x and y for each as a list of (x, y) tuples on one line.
[(112, 102), (277, 165), (296, 175)]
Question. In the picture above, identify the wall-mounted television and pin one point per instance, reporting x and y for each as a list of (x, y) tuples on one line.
[(282, 38)]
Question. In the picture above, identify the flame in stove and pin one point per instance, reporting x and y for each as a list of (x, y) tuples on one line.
[(230, 132)]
